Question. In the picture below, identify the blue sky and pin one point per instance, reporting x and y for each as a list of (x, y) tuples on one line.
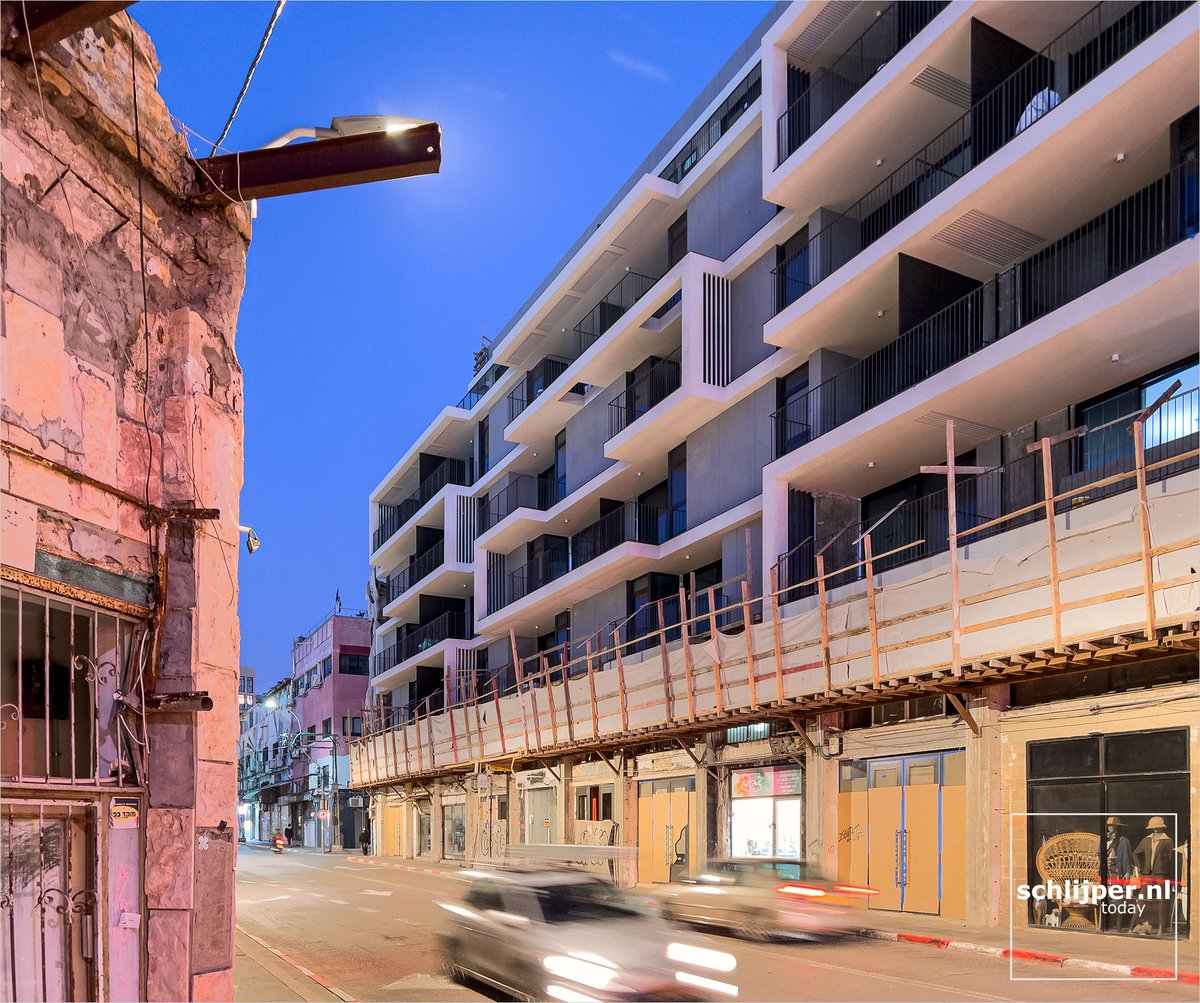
[(363, 306)]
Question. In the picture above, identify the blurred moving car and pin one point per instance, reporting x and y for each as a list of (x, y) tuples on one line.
[(763, 898), (540, 932)]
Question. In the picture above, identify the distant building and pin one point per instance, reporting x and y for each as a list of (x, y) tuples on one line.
[(330, 672), (245, 686), (265, 763)]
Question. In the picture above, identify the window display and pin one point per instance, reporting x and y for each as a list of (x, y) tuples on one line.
[(1107, 815)]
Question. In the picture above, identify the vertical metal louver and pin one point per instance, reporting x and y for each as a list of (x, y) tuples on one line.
[(718, 347), (466, 529)]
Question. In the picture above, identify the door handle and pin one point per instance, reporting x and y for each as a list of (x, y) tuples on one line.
[(667, 848)]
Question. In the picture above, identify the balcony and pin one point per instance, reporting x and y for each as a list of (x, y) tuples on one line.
[(615, 304), (396, 585), (661, 380), (449, 626), (537, 381), (1081, 53), (632, 522), (481, 386), (392, 518), (1096, 465), (831, 87), (717, 125), (1130, 233), (522, 491)]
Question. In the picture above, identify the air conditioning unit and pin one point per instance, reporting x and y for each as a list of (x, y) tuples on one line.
[(356, 801)]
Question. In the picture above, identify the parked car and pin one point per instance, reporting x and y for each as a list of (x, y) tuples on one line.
[(539, 932), (763, 898)]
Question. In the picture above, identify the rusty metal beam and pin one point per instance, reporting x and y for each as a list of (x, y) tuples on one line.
[(315, 166), (963, 712), (38, 24)]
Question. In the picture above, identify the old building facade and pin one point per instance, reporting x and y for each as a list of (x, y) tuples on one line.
[(835, 495), (122, 464)]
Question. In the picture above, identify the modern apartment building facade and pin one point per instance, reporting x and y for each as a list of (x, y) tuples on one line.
[(835, 495)]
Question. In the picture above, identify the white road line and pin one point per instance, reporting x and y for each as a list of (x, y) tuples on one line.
[(372, 891), (366, 908), (338, 902), (952, 991)]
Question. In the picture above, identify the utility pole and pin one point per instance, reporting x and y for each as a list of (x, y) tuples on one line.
[(335, 842)]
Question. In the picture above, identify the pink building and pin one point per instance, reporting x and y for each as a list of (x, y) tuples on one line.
[(330, 672)]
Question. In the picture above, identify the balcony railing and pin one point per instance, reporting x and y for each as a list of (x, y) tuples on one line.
[(396, 585), (1101, 463), (649, 390), (481, 387), (450, 625), (1091, 45), (632, 522), (393, 517), (717, 125), (1128, 234), (523, 491), (830, 88), (615, 304), (552, 367)]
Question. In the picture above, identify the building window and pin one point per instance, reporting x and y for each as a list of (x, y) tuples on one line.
[(327, 726), (483, 448), (594, 804), (352, 726), (353, 665), (677, 245), (327, 667), (1116, 806)]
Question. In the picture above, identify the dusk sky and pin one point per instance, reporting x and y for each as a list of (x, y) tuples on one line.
[(363, 306)]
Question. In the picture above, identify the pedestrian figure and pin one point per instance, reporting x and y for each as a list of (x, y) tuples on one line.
[(288, 832), (364, 840)]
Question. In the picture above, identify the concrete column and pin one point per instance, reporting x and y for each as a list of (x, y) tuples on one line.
[(627, 872), (987, 837), (566, 809), (436, 839)]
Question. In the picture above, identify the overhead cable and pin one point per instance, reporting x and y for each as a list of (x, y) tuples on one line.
[(262, 47)]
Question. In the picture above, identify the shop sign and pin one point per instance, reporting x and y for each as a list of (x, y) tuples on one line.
[(768, 781), (124, 813)]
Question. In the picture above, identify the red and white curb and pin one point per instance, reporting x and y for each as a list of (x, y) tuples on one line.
[(1040, 957), (406, 867), (346, 997)]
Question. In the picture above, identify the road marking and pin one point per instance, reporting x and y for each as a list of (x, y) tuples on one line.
[(366, 908), (273, 898), (953, 991), (372, 891), (338, 902)]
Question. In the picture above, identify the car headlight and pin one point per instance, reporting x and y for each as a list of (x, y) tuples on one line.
[(586, 973), (701, 957)]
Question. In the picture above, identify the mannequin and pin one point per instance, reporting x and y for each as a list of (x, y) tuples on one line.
[(1155, 860), (1119, 855)]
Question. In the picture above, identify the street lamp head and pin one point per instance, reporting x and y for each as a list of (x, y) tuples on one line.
[(357, 125)]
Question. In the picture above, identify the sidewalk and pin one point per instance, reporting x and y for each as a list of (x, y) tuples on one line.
[(1105, 956), (263, 975)]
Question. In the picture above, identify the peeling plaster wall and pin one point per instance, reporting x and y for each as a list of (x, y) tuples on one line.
[(161, 415)]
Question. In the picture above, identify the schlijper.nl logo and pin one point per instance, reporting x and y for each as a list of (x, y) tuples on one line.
[(1084, 873)]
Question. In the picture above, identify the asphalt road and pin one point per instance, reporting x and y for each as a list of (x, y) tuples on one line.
[(371, 932)]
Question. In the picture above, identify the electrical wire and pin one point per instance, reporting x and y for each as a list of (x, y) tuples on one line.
[(262, 47)]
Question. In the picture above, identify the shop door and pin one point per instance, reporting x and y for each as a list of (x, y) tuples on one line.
[(919, 840), (885, 832), (541, 823), (666, 829), (789, 822)]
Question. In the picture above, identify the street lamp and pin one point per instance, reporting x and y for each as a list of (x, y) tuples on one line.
[(349, 125)]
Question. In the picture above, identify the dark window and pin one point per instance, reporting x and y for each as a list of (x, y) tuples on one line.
[(502, 808), (353, 665), (327, 726), (483, 447), (677, 241), (792, 278), (793, 427), (582, 902), (484, 895), (1133, 753), (1072, 757), (676, 491)]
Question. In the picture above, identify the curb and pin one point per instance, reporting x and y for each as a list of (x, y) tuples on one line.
[(1040, 957), (436, 872), (345, 997)]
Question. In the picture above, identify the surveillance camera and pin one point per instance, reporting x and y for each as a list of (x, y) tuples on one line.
[(252, 541)]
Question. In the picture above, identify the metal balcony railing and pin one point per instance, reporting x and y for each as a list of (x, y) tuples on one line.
[(1123, 237), (632, 522), (414, 640), (392, 518), (1014, 492), (396, 585), (522, 491), (650, 389), (717, 125), (536, 383), (831, 87), (611, 308), (1091, 45), (481, 387)]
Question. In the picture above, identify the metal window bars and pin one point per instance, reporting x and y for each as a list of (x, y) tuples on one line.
[(831, 87), (1091, 45), (1135, 230), (64, 664)]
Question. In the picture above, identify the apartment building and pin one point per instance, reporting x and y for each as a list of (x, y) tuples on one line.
[(246, 679), (264, 748), (835, 495)]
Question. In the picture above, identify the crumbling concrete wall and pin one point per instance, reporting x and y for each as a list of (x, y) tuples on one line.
[(147, 401)]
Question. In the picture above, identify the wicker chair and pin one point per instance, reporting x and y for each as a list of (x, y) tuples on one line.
[(1072, 856)]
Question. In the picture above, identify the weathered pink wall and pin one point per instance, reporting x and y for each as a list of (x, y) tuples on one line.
[(77, 390)]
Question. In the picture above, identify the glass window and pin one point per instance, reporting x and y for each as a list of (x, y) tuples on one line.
[(353, 665), (1146, 752), (502, 808), (327, 726), (852, 775), (954, 769), (583, 902), (885, 774), (454, 831), (1072, 757)]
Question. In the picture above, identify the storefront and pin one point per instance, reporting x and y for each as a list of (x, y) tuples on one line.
[(454, 830), (902, 831), (766, 812), (1109, 811)]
